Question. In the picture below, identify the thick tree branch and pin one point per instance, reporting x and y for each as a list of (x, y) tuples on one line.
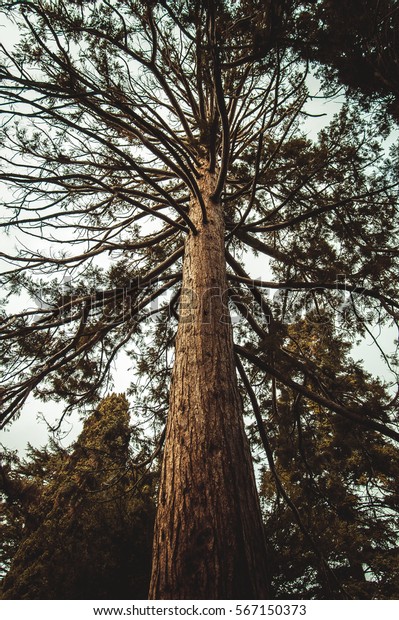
[(330, 405)]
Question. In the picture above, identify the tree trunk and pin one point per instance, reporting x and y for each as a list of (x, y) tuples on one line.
[(208, 540)]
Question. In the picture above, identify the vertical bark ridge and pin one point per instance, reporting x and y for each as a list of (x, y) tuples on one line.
[(208, 541)]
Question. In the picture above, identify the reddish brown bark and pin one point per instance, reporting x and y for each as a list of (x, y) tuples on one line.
[(208, 541)]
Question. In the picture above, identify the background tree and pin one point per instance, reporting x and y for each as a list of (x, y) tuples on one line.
[(330, 492), (357, 46), (172, 139), (81, 519)]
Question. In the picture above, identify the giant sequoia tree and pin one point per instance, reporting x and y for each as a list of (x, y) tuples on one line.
[(150, 149)]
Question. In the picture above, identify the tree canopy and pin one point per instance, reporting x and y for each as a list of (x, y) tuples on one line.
[(128, 129), (357, 44), (104, 125)]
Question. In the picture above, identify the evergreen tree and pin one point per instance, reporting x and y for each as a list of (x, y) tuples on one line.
[(80, 520), (170, 137), (357, 44), (330, 491)]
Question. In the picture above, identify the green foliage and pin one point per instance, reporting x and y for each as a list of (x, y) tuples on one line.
[(78, 523), (337, 537), (356, 44), (110, 109)]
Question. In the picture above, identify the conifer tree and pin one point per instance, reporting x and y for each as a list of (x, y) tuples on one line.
[(80, 519), (357, 44), (153, 147), (330, 492)]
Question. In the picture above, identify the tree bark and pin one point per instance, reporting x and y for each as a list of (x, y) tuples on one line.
[(208, 540)]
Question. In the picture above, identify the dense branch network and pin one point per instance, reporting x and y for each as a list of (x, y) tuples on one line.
[(108, 115)]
